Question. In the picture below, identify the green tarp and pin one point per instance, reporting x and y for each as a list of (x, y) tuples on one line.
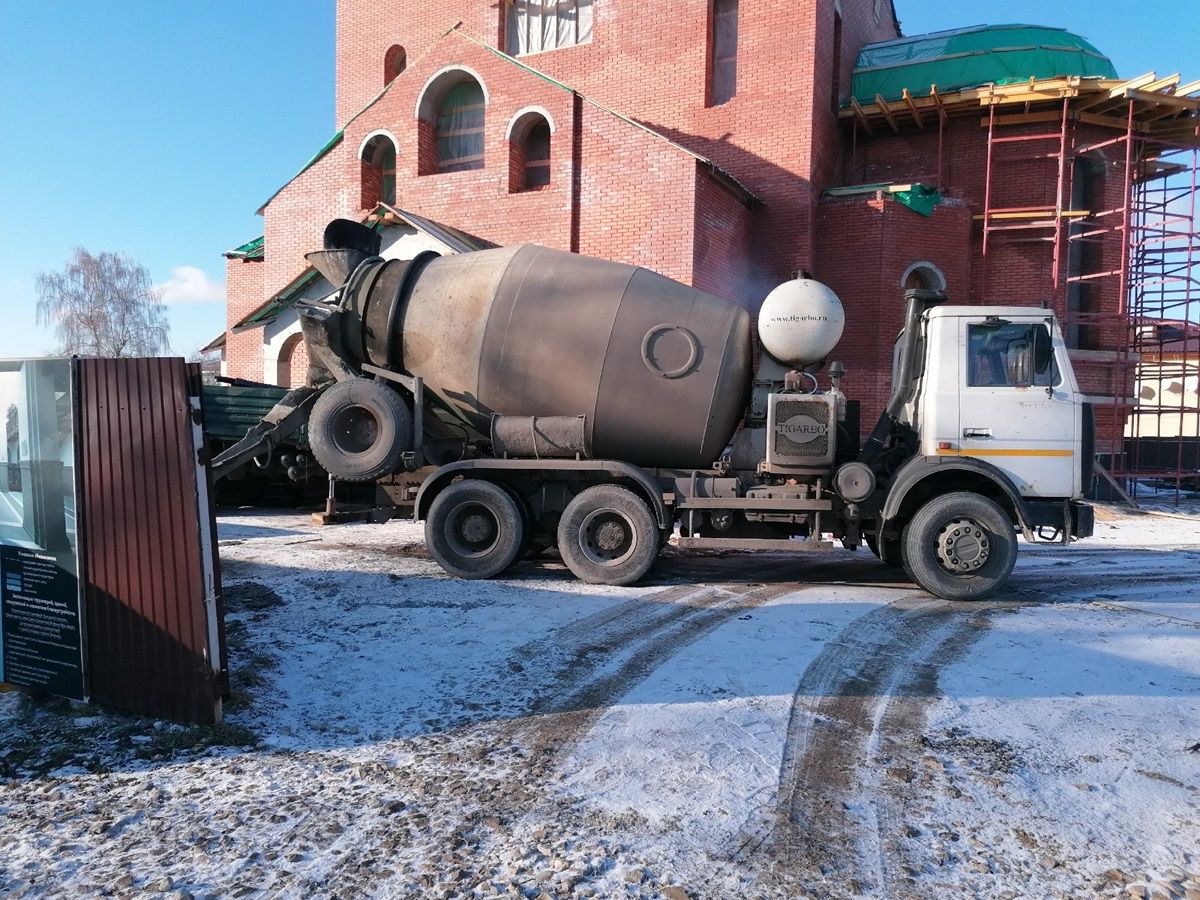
[(919, 198), (969, 57)]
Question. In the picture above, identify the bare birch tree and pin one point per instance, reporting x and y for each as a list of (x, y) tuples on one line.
[(103, 305)]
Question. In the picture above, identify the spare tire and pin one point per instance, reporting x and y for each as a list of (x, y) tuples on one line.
[(358, 430)]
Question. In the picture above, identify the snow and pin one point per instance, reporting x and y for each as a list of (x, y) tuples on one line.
[(738, 725)]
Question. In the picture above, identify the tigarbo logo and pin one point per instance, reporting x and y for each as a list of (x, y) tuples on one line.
[(802, 429), (797, 318)]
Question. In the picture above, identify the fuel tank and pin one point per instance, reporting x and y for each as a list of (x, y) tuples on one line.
[(659, 370)]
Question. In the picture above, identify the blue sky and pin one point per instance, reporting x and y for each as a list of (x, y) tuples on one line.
[(157, 128)]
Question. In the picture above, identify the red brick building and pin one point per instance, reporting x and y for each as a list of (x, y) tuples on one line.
[(723, 144)]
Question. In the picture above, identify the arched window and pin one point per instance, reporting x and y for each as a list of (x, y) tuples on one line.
[(459, 128), (529, 143), (536, 155), (395, 61), (923, 276), (378, 158)]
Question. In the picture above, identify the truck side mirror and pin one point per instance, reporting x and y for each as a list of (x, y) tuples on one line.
[(1043, 350)]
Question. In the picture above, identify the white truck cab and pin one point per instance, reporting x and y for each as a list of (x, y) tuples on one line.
[(997, 386)]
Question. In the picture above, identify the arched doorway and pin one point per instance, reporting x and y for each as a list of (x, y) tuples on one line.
[(292, 367)]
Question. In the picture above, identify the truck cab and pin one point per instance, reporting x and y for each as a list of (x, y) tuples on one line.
[(997, 386)]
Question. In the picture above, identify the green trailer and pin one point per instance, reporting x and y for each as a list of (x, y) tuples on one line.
[(286, 474)]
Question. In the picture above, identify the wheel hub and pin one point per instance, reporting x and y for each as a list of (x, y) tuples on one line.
[(471, 529), (963, 546), (606, 537), (609, 536), (476, 529), (356, 430)]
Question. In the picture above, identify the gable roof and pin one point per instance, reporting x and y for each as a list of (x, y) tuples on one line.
[(383, 215), (720, 174)]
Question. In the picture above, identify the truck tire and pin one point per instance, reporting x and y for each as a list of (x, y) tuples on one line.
[(960, 546), (607, 535), (474, 529), (359, 429)]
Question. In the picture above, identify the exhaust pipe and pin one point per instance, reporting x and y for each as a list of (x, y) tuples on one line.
[(917, 302)]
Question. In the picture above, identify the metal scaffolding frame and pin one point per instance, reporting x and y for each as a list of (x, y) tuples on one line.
[(1125, 274), (1146, 273)]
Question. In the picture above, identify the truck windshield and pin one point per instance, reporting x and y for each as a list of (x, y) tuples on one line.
[(1010, 355)]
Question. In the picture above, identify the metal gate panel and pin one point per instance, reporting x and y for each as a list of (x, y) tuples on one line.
[(151, 582)]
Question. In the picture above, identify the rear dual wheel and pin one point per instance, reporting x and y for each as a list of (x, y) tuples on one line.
[(607, 535), (475, 529)]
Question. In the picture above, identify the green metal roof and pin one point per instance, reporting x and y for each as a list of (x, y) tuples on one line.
[(968, 57), (279, 301), (316, 158), (249, 250), (217, 343)]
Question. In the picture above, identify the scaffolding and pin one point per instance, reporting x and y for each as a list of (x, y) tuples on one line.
[(1124, 268), (1093, 182)]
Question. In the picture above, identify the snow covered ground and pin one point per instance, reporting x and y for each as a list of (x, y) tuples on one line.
[(740, 725)]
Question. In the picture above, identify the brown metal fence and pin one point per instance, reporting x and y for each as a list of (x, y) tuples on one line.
[(152, 595)]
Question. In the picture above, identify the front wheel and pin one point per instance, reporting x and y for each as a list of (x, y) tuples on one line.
[(960, 546), (607, 535), (474, 529)]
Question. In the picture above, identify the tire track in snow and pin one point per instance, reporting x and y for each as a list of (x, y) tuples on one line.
[(833, 820), (864, 701)]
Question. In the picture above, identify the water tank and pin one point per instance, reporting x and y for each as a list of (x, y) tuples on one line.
[(801, 322), (660, 370)]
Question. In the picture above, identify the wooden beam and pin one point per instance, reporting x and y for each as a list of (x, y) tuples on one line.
[(1192, 103), (860, 115), (1169, 81), (1118, 91), (1160, 114), (1045, 214), (912, 108), (1108, 121), (937, 100), (1023, 118), (887, 113), (1190, 88)]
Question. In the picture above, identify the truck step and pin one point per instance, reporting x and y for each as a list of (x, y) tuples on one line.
[(785, 546)]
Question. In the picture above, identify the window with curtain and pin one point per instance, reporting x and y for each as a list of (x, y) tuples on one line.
[(534, 26), (536, 155), (460, 128), (722, 76)]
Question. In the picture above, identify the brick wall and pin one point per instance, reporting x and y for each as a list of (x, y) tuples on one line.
[(724, 226), (778, 135), (243, 294), (616, 191), (865, 245)]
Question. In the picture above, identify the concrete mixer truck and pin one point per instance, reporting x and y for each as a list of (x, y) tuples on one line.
[(530, 397)]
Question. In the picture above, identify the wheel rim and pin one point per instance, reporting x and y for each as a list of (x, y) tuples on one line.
[(472, 530), (963, 546), (607, 537), (355, 429)]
